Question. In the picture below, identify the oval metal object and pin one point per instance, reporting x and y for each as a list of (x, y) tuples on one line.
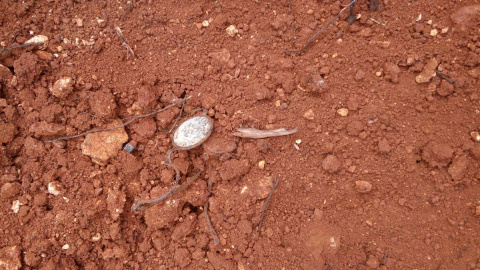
[(192, 132)]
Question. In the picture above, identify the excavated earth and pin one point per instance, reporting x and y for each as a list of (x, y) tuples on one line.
[(382, 173)]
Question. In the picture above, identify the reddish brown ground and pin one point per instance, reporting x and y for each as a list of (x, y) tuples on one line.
[(392, 185)]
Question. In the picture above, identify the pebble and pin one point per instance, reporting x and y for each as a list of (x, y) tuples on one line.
[(428, 71), (331, 164), (38, 39), (54, 188), (101, 146), (475, 136), (261, 164), (309, 114), (342, 112), (477, 211), (62, 87), (231, 30), (363, 186)]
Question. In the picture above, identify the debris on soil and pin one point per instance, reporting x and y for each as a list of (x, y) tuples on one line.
[(192, 132), (37, 40), (259, 134), (428, 72), (475, 136), (458, 168), (392, 72), (342, 112), (231, 30), (124, 42), (265, 205), (101, 146), (5, 74), (7, 132), (363, 186), (437, 154)]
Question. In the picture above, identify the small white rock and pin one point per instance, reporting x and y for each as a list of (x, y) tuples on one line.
[(342, 112), (261, 164), (205, 23), (433, 32), (62, 87), (38, 39), (16, 206), (298, 141), (444, 30), (475, 136), (66, 246), (53, 188), (231, 30)]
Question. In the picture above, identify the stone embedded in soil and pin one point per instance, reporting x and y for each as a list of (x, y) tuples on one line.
[(39, 39), (363, 186), (342, 112), (233, 169), (115, 202), (101, 146), (354, 128), (428, 72), (5, 74), (309, 114), (231, 30), (392, 72), (458, 168), (331, 164), (7, 132), (10, 258), (46, 129), (384, 146), (62, 87), (10, 190), (475, 136), (221, 56), (477, 211), (437, 154)]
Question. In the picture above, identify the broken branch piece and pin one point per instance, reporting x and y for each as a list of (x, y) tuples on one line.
[(259, 134)]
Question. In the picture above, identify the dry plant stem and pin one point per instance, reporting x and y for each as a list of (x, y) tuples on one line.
[(260, 134), (124, 41), (141, 204), (215, 234), (178, 117), (320, 31), (188, 183), (132, 118), (266, 203), (6, 49), (441, 75), (129, 7)]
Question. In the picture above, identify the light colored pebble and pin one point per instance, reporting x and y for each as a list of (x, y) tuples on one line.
[(231, 30), (309, 114), (205, 23), (38, 39), (475, 136), (433, 32), (261, 164), (15, 206), (54, 188), (66, 246), (342, 112)]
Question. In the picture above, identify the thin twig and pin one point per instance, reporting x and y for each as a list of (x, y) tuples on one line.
[(133, 118), (266, 203), (441, 75), (142, 204), (6, 49), (178, 117), (124, 41), (215, 234), (319, 31), (129, 7), (188, 183)]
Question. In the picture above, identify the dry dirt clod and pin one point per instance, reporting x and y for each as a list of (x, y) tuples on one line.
[(101, 146), (392, 72), (5, 74), (437, 154), (10, 258), (363, 186), (428, 71), (331, 164), (62, 87)]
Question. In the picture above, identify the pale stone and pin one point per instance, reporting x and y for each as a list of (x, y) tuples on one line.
[(101, 146)]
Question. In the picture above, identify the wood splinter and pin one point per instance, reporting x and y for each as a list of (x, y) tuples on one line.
[(124, 42), (260, 134)]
